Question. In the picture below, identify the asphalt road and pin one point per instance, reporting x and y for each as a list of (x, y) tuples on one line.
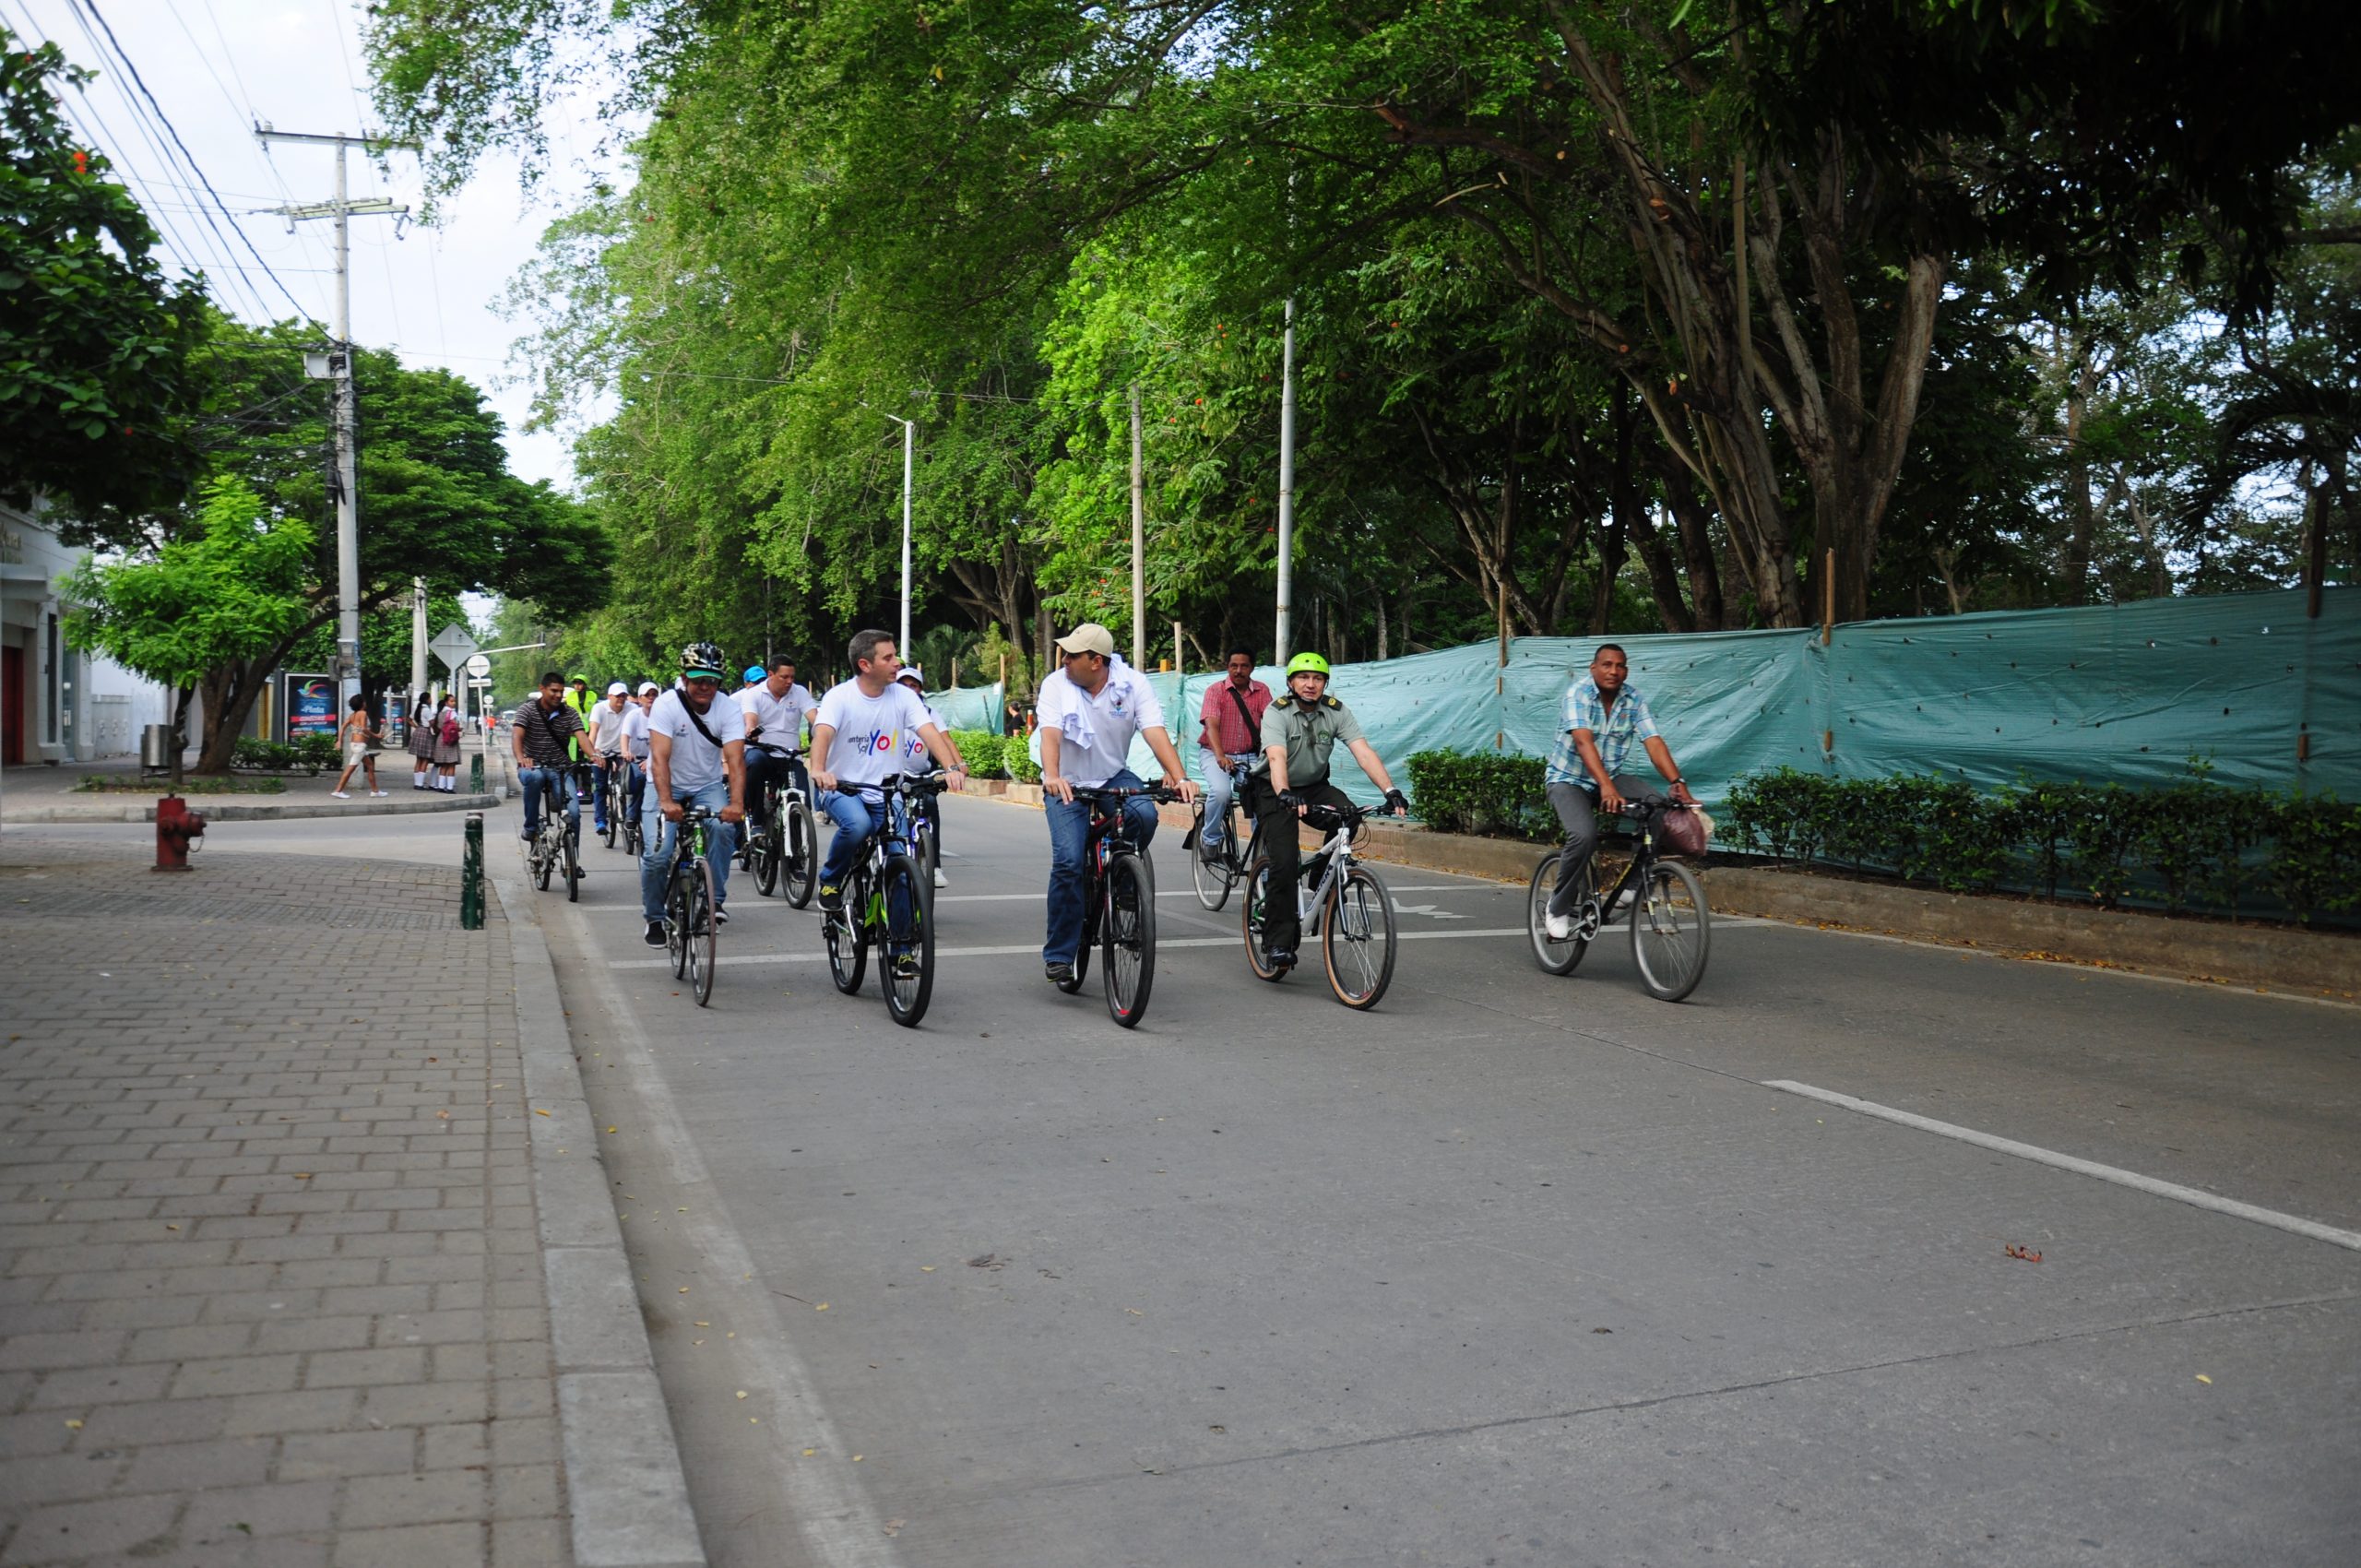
[(1513, 1270)]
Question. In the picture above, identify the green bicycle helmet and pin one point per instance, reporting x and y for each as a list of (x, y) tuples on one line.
[(1306, 663)]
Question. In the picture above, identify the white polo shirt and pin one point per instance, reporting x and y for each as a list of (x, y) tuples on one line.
[(696, 762), (871, 732), (607, 726), (635, 732), (1095, 732), (781, 717)]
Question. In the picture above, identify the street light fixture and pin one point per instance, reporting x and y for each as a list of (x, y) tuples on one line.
[(910, 440)]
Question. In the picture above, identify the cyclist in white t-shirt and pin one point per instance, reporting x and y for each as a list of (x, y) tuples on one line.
[(858, 738), (773, 709), (695, 757), (607, 746), (1089, 710), (636, 749), (913, 759)]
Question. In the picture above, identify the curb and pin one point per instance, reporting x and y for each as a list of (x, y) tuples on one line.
[(270, 813), (627, 1492)]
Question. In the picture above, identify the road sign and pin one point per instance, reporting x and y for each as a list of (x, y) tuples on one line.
[(453, 645), (478, 666)]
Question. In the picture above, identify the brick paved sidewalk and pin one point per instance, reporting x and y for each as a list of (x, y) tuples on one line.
[(271, 1290)]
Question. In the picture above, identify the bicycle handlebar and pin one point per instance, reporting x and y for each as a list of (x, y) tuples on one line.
[(897, 783), (1162, 794)]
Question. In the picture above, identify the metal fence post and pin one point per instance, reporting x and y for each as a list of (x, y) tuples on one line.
[(475, 774), (471, 873)]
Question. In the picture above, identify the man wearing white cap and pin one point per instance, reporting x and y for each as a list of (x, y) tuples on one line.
[(606, 745), (1088, 711), (636, 749), (914, 760)]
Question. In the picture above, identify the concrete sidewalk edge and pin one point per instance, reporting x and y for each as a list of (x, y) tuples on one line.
[(223, 808), (626, 1490)]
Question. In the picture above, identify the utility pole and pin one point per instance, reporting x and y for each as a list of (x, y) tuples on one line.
[(1139, 544), (909, 440), (340, 366), (1286, 484)]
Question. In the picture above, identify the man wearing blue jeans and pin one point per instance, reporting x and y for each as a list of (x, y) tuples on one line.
[(696, 757), (1088, 711), (859, 737), (540, 740)]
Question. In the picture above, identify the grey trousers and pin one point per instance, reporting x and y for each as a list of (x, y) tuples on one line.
[(1577, 810)]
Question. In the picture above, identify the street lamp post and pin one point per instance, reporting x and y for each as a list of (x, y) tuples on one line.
[(909, 440)]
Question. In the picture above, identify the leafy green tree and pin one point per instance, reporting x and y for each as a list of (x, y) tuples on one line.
[(230, 588), (95, 341)]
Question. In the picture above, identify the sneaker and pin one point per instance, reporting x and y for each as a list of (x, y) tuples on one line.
[(1211, 854), (1058, 974), (906, 965), (526, 836), (1559, 927), (654, 934), (377, 795), (721, 917), (941, 880), (339, 794), (832, 898)]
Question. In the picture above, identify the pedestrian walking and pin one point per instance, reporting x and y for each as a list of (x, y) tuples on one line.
[(421, 738), (361, 739), (447, 748)]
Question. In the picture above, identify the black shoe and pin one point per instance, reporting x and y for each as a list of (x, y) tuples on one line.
[(1058, 974), (527, 836), (654, 936), (721, 917), (1282, 957), (832, 898)]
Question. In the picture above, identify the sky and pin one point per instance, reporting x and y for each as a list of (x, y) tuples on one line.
[(216, 66)]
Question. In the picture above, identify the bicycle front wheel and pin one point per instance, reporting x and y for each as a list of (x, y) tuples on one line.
[(1258, 894), (1554, 956), (906, 956), (615, 814), (676, 923), (767, 857), (1129, 925), (1671, 930), (703, 933), (802, 854), (573, 865), (1356, 939)]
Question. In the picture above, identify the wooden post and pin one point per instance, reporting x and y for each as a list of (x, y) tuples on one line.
[(2314, 558), (1828, 599), (1501, 676), (1180, 665)]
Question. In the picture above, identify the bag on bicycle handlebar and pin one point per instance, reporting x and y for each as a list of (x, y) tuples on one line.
[(1684, 830)]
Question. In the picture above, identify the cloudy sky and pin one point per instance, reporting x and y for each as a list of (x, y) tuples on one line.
[(216, 66)]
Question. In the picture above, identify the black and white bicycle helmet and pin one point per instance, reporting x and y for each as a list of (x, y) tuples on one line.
[(702, 661)]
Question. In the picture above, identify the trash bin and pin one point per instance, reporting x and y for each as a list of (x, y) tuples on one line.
[(156, 747)]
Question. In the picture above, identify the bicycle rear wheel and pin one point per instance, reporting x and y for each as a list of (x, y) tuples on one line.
[(1130, 936), (906, 956), (767, 853), (802, 855), (1258, 892), (1556, 957), (1671, 930), (540, 860), (847, 934), (1356, 939), (703, 933), (572, 863), (676, 921), (612, 800)]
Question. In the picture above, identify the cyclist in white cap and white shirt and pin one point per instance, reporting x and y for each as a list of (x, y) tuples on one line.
[(914, 760), (1088, 710), (606, 745), (636, 749)]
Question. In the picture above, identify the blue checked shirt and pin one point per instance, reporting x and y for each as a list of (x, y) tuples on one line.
[(1616, 732)]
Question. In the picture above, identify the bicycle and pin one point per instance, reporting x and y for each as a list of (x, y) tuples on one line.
[(1214, 879), (787, 839), (1671, 926), (888, 900), (559, 841), (634, 799), (1117, 904), (1339, 898), (611, 796), (690, 930)]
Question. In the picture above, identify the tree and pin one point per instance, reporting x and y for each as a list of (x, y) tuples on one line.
[(95, 341), (230, 588)]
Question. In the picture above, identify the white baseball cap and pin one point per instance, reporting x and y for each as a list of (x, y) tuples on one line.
[(647, 686), (911, 672), (619, 690)]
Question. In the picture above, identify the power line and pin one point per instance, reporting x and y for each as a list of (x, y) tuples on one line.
[(190, 158)]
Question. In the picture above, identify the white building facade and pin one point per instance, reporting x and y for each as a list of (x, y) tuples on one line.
[(58, 705)]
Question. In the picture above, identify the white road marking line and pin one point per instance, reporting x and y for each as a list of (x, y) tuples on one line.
[(2121, 1178), (1035, 947), (1036, 896), (824, 1497)]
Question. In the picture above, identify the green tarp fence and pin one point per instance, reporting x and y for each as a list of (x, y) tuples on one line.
[(972, 708), (2115, 694)]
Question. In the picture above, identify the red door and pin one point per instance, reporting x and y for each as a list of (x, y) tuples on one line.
[(12, 707)]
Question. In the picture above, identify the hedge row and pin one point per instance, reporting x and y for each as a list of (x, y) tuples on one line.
[(311, 753), (995, 756), (1493, 793), (2195, 845)]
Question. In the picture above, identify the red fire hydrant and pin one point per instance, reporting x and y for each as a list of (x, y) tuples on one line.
[(175, 827)]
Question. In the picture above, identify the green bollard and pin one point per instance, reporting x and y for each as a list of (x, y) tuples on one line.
[(471, 873), (475, 773)]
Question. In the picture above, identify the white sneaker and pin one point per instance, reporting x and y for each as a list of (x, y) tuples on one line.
[(941, 880), (1559, 927), (339, 794), (377, 795)]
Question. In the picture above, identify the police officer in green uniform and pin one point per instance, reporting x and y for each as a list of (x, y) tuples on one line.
[(1300, 730)]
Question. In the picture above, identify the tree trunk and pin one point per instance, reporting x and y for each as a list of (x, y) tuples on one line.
[(2082, 514)]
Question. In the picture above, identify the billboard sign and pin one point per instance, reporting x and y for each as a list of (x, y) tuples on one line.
[(311, 705)]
